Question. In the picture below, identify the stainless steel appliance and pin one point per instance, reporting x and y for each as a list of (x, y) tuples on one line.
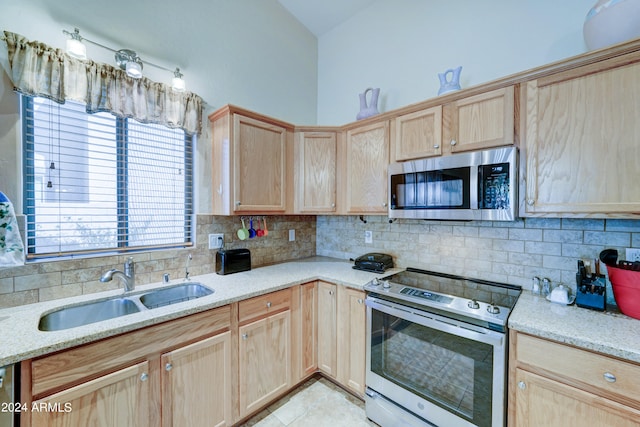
[(480, 185), (436, 350), (9, 407)]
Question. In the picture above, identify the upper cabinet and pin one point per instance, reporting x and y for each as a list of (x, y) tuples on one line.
[(417, 134), (481, 121), (315, 154), (477, 122), (367, 158), (582, 144), (251, 163)]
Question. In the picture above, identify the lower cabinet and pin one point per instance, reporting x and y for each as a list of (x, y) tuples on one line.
[(195, 380), (264, 350), (120, 398), (552, 384), (327, 328), (172, 374), (351, 339)]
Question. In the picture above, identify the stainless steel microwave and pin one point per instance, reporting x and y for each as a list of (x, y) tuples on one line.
[(478, 185)]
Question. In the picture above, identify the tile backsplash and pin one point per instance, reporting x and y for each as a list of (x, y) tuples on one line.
[(510, 252), (47, 280)]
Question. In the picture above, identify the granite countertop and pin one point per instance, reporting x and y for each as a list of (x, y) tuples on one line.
[(608, 332), (22, 340)]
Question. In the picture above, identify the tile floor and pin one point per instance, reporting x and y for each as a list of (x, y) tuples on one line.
[(318, 403)]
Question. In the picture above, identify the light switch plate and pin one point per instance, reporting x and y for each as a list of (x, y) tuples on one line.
[(632, 254), (292, 235), (368, 236)]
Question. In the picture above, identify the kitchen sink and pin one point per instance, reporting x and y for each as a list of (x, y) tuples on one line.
[(174, 294), (70, 317), (92, 312)]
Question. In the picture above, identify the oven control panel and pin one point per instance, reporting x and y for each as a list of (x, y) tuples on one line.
[(431, 296)]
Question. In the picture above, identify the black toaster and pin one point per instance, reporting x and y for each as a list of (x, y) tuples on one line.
[(374, 262), (230, 261)]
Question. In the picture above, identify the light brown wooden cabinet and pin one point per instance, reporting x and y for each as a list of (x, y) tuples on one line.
[(481, 121), (367, 158), (315, 169), (552, 384), (327, 328), (351, 339), (308, 336), (251, 170), (582, 142), (416, 135), (120, 398), (195, 380), (264, 349), (124, 380), (477, 122)]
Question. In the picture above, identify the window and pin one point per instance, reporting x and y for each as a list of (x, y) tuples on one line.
[(98, 183)]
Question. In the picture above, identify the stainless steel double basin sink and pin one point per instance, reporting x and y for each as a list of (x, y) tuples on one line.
[(97, 311)]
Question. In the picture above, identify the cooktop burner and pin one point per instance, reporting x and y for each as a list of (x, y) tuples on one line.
[(474, 301)]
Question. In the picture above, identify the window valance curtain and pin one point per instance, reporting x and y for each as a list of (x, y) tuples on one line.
[(37, 69)]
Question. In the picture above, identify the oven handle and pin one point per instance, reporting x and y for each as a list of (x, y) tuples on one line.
[(437, 322)]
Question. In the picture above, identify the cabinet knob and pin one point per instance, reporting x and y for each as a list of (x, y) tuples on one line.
[(269, 304), (168, 367), (245, 336), (360, 301), (436, 146), (238, 203), (522, 385), (608, 376), (454, 142), (530, 202), (144, 377), (333, 205), (330, 292), (384, 204)]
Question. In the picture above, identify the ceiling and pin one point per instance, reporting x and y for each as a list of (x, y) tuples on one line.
[(321, 16)]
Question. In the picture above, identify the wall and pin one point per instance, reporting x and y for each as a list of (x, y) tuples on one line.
[(42, 281), (400, 46), (510, 252)]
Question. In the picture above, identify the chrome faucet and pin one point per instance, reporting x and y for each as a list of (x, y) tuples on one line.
[(186, 268), (128, 278)]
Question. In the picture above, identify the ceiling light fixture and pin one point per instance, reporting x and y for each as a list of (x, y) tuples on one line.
[(126, 59)]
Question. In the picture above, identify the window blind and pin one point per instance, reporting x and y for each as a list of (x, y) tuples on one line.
[(99, 183)]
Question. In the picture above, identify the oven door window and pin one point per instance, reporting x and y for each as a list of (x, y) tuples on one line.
[(452, 372), (442, 189)]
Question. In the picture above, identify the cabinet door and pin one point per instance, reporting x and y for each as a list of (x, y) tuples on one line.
[(316, 172), (481, 121), (259, 165), (366, 169), (309, 328), (351, 339), (117, 399), (327, 328), (265, 355), (544, 402), (582, 141), (418, 134), (196, 384)]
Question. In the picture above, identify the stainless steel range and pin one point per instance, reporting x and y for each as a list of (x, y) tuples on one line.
[(436, 350)]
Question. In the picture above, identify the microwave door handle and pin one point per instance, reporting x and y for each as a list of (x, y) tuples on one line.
[(474, 189)]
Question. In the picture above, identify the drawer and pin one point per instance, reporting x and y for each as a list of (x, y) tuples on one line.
[(264, 305), (597, 370)]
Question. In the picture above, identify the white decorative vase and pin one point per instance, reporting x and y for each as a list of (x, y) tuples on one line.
[(610, 22)]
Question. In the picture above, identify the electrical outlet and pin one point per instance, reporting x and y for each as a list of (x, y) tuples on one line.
[(292, 235), (216, 241), (632, 254), (368, 236)]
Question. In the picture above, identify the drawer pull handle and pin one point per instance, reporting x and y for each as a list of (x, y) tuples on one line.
[(609, 377), (522, 385), (168, 367), (269, 304)]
